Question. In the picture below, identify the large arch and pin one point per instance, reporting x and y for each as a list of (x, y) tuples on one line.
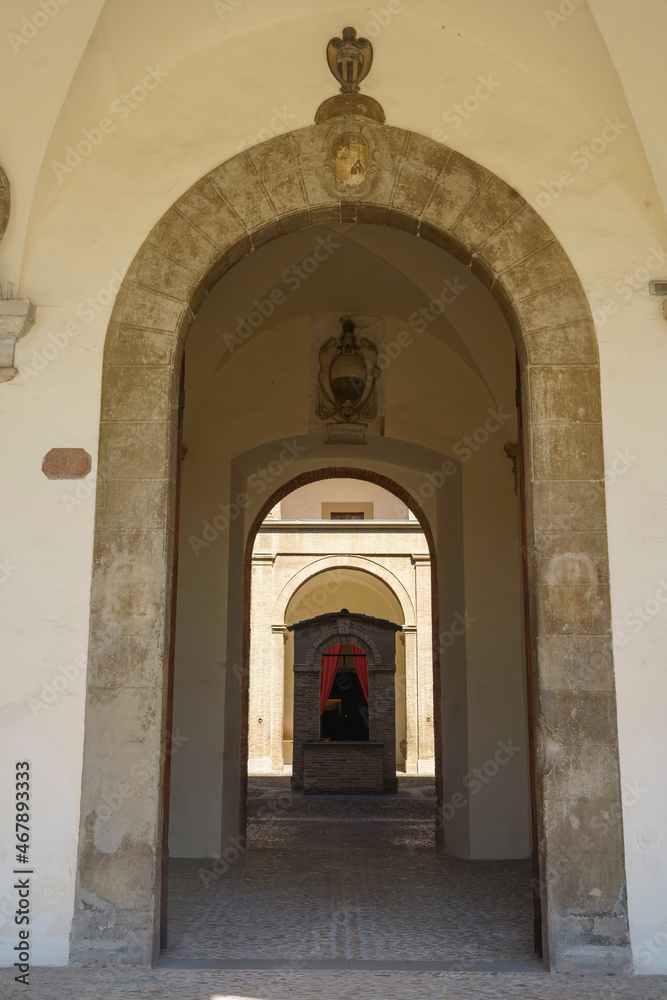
[(434, 193)]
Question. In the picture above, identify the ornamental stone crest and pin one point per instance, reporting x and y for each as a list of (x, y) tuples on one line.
[(350, 60), (347, 397), (350, 157)]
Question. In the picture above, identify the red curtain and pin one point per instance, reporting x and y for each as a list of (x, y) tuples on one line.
[(330, 662), (361, 663)]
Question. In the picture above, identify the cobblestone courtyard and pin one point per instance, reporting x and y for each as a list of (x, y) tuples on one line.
[(341, 898), (325, 879)]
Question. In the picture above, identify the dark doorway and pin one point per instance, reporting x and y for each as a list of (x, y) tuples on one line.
[(345, 714)]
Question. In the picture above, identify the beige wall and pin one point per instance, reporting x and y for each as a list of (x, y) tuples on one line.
[(306, 502)]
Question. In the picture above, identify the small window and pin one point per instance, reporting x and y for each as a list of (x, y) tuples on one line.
[(346, 515)]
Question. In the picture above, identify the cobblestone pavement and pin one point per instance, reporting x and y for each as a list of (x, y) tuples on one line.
[(177, 984), (316, 884), (324, 880)]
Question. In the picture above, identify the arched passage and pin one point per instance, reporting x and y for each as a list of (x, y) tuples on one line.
[(324, 585), (437, 194)]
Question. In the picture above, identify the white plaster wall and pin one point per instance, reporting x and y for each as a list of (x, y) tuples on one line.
[(557, 85)]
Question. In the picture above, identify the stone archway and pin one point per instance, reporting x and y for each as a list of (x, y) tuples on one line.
[(275, 700), (361, 563), (435, 193)]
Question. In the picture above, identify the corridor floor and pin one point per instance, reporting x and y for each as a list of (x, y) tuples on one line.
[(326, 878), (338, 899)]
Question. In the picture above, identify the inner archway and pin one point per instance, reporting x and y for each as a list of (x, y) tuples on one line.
[(427, 190)]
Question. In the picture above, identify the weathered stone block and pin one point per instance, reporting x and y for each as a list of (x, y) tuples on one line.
[(577, 771), (569, 344), (566, 451), (135, 503), (571, 558), (183, 242), (571, 610), (455, 190), (556, 306), (151, 269), (579, 716), (278, 169), (240, 187), (522, 234), (139, 393), (574, 662), (142, 307), (135, 450), (133, 566), (547, 267), (418, 171), (128, 346), (567, 394), (562, 505), (206, 209), (495, 204)]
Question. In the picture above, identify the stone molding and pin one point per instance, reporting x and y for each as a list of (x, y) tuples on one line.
[(360, 563), (17, 317), (428, 190), (344, 631)]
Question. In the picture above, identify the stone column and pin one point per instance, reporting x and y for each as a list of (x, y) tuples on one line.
[(382, 717), (411, 699), (261, 664), (278, 635), (424, 663)]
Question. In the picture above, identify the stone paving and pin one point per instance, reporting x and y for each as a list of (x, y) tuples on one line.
[(177, 984), (324, 878), (334, 882)]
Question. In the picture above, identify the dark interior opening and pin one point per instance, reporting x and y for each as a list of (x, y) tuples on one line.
[(345, 715)]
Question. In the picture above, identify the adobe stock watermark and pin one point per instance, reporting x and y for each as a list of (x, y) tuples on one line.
[(292, 279), (650, 947), (278, 124), (120, 109), (566, 8), (619, 465), (258, 482), (581, 159), (461, 111), (631, 283), (53, 690), (463, 450), (7, 569), (475, 780), (31, 26), (111, 801), (448, 294), (224, 7), (82, 491), (642, 614), (86, 310)]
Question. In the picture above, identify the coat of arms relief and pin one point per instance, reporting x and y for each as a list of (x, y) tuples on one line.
[(348, 397)]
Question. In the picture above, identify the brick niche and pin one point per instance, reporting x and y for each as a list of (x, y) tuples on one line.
[(320, 766)]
